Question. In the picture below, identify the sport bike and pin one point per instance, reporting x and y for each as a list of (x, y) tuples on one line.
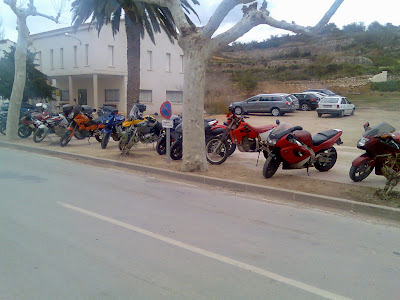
[(246, 137), (295, 148), (82, 122), (380, 143)]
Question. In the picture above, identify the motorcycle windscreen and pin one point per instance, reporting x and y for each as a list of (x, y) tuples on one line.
[(380, 128)]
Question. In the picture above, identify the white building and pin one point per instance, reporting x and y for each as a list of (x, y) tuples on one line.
[(92, 68)]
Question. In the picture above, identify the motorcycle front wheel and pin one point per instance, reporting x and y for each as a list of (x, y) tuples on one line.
[(271, 165), (216, 151), (359, 173), (326, 160), (104, 141), (39, 135), (65, 138), (24, 131), (177, 150), (161, 146)]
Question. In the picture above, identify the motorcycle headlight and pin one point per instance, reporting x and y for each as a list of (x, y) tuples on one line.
[(362, 142), (271, 142)]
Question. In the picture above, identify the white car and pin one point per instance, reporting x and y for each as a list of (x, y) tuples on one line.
[(335, 105)]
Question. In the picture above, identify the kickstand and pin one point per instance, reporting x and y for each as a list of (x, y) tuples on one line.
[(258, 157), (308, 171), (88, 140)]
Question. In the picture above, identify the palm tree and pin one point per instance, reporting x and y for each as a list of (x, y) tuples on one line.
[(139, 18)]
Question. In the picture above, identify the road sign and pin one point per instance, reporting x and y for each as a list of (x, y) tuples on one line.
[(167, 123), (166, 109)]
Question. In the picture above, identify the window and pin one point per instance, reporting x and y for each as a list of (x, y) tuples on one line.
[(182, 66), (111, 56), (168, 62), (64, 96), (146, 96), (75, 56), (86, 54), (175, 96), (149, 60), (61, 58), (112, 95), (52, 59)]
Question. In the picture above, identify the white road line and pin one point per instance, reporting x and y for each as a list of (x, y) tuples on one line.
[(221, 258)]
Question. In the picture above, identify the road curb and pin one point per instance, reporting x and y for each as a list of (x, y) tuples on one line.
[(288, 195)]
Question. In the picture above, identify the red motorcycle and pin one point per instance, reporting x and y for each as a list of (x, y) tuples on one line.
[(30, 121), (246, 137), (295, 148), (379, 143)]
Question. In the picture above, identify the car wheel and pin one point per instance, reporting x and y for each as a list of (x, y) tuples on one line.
[(305, 107), (341, 114), (319, 115), (275, 112), (352, 112), (239, 110)]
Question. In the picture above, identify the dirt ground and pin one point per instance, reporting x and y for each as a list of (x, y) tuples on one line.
[(243, 167)]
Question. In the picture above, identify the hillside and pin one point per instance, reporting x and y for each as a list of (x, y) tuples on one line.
[(340, 59)]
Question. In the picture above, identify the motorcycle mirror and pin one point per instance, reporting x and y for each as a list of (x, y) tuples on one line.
[(366, 126), (94, 110), (156, 113)]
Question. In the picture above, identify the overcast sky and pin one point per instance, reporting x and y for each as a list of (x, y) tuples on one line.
[(303, 12)]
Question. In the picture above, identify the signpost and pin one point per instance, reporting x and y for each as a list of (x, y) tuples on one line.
[(166, 112)]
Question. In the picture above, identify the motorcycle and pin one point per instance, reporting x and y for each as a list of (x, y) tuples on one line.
[(379, 143), (56, 124), (295, 148), (138, 129), (30, 121), (112, 121), (244, 136), (161, 146), (82, 122), (3, 122), (211, 129)]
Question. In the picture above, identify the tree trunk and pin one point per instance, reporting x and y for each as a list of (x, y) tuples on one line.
[(133, 60), (19, 80), (194, 158)]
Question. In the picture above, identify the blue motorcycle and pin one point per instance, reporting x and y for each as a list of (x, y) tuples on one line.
[(112, 120)]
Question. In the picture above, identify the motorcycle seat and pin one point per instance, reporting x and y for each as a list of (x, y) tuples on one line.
[(96, 121), (261, 129), (323, 136)]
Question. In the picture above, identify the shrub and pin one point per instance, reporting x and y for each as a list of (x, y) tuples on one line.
[(386, 86)]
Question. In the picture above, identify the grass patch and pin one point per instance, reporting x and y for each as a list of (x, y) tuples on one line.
[(381, 100)]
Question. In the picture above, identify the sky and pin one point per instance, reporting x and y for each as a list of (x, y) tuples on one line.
[(303, 12)]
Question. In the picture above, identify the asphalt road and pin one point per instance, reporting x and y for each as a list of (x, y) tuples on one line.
[(73, 231)]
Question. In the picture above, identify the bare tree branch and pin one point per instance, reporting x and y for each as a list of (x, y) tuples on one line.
[(253, 17), (219, 15)]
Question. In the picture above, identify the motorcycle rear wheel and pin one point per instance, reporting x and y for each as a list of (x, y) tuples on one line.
[(359, 173), (78, 135), (177, 150), (39, 135), (271, 165), (104, 141), (65, 138), (24, 131), (329, 154), (216, 151)]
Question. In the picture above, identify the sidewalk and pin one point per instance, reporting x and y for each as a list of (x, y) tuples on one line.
[(332, 189)]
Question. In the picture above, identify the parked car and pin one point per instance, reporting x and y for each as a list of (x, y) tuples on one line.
[(24, 106), (308, 100), (323, 91), (335, 105), (276, 104)]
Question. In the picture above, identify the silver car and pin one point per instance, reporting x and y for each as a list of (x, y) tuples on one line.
[(276, 104)]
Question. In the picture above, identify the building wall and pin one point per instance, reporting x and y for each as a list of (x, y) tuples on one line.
[(5, 46), (84, 53)]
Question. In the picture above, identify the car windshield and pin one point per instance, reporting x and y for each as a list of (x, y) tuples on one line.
[(380, 128), (330, 100)]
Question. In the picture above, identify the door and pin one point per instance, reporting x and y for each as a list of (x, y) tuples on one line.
[(252, 104), (82, 97)]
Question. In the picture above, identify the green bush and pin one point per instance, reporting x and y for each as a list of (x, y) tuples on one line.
[(386, 86)]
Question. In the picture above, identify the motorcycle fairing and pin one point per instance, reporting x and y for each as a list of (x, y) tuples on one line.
[(364, 159)]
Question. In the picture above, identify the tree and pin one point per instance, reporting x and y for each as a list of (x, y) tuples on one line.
[(20, 61), (139, 17), (199, 44), (36, 84)]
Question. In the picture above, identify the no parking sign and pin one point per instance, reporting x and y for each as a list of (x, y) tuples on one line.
[(166, 109)]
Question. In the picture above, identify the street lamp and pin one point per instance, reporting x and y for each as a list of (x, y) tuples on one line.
[(71, 36)]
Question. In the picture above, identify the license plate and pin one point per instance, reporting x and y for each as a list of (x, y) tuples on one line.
[(327, 106)]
